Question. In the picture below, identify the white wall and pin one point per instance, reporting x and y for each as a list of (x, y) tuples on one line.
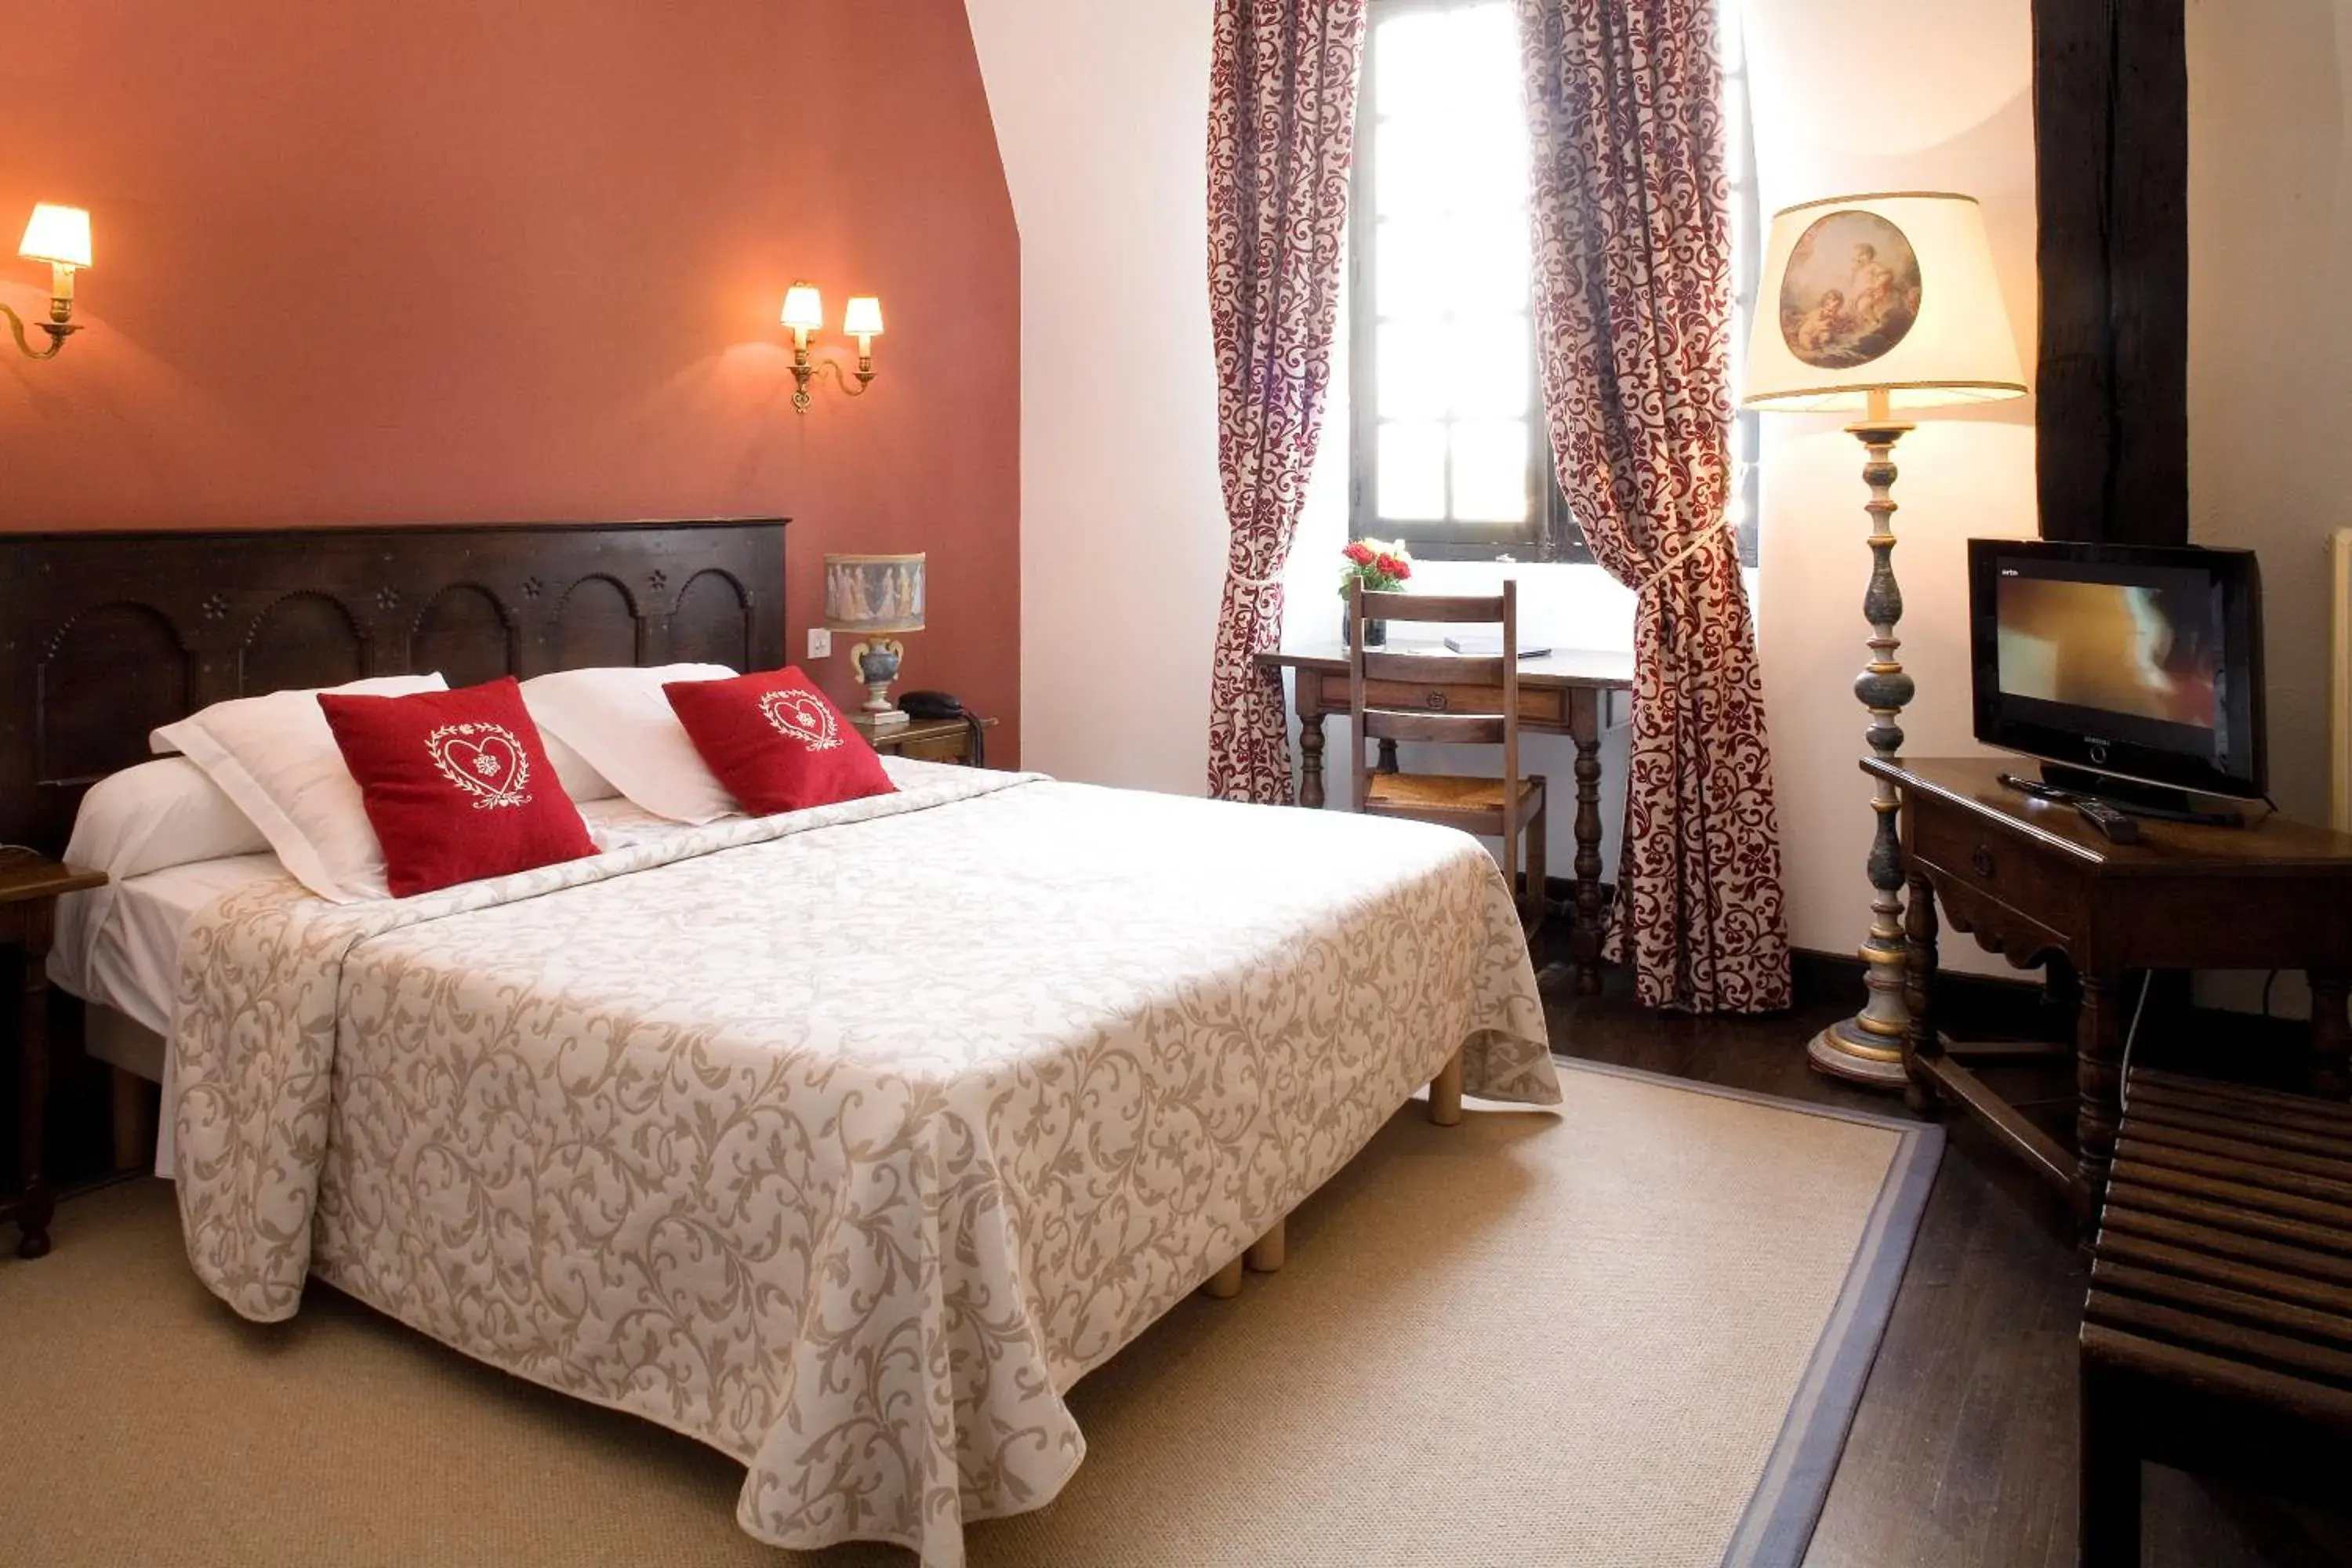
[(2270, 360), (1101, 111), (1935, 95)]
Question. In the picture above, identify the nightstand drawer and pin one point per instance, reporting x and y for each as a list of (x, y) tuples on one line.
[(926, 740), (955, 748)]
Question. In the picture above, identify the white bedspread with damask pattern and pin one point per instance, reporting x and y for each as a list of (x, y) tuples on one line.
[(847, 1141)]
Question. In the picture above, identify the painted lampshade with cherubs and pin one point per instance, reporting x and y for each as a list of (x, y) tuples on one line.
[(870, 597)]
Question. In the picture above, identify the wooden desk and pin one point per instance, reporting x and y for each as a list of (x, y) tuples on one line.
[(30, 885), (2032, 880), (1562, 693)]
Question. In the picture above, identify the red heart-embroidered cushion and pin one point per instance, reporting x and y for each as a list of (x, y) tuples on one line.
[(458, 784), (775, 742)]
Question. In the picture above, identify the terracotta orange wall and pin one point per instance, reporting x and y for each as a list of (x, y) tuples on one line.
[(452, 261)]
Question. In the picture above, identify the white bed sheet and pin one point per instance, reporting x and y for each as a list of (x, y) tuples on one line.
[(119, 946)]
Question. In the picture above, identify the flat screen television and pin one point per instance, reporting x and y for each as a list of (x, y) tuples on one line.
[(2121, 664)]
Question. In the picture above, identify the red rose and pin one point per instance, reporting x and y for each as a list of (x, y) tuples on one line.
[(1360, 553), (1388, 566), (1404, 570)]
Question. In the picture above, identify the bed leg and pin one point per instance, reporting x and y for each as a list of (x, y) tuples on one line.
[(1446, 1093), (1226, 1282), (132, 1146), (1267, 1253)]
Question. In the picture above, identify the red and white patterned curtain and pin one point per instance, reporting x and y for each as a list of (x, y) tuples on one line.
[(1282, 134), (1633, 300)]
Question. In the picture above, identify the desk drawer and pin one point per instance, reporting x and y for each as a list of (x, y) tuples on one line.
[(1972, 864), (1535, 707)]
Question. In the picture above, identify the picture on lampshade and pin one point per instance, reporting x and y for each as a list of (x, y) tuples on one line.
[(886, 594), (1849, 292)]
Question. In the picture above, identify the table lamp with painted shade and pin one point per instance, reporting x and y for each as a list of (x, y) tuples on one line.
[(1879, 305), (869, 597)]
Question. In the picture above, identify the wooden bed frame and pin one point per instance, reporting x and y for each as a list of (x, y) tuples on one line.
[(105, 636)]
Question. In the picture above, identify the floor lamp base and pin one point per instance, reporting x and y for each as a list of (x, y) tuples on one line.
[(1847, 1050)]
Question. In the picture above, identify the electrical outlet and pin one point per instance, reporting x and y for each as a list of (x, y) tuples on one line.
[(820, 642)]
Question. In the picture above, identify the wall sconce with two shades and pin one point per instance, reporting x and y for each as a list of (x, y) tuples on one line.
[(61, 237), (804, 314)]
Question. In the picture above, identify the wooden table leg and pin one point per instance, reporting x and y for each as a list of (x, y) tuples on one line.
[(2098, 1094), (38, 1203), (2331, 1034), (2109, 1480), (1584, 928), (1921, 1044), (1310, 757)]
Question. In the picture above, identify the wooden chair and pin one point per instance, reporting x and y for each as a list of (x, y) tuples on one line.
[(1480, 706)]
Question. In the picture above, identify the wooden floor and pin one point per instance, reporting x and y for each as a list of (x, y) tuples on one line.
[(1963, 1451)]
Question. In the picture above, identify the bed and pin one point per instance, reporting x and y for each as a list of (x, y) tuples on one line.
[(844, 1141)]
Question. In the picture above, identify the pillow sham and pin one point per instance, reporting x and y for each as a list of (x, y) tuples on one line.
[(156, 815), (619, 723), (457, 783), (776, 742), (276, 758)]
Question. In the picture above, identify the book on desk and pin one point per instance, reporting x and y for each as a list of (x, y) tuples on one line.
[(1489, 644)]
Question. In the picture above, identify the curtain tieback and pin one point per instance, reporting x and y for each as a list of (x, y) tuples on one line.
[(1705, 537), (1234, 572)]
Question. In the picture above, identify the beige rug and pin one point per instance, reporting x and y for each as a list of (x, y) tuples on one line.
[(1631, 1333)]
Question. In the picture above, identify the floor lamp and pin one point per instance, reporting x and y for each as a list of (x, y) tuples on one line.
[(1881, 304)]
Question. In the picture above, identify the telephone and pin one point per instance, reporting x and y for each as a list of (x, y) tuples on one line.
[(947, 705), (931, 705)]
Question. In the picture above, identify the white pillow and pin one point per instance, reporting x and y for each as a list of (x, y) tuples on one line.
[(157, 815), (580, 780), (276, 758), (621, 725)]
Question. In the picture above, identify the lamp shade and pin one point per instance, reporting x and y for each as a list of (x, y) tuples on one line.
[(874, 593), (803, 307), (57, 234), (863, 317), (1893, 293)]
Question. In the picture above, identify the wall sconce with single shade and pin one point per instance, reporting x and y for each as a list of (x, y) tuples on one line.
[(61, 237), (1876, 305), (804, 313), (871, 594)]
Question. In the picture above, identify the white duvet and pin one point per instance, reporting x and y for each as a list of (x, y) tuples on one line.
[(847, 1141)]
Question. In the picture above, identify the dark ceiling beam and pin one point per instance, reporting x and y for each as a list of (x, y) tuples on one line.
[(2111, 154)]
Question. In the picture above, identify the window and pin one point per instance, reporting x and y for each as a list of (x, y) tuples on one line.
[(1449, 448)]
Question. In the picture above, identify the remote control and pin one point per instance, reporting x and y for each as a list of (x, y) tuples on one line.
[(2118, 828)]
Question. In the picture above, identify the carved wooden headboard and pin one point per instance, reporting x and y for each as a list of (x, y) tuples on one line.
[(105, 636)]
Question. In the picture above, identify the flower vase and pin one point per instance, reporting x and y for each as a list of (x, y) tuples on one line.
[(1376, 633)]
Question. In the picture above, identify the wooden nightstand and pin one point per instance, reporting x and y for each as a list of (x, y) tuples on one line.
[(30, 885), (925, 740)]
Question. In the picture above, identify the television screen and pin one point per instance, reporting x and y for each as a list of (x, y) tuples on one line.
[(2145, 662)]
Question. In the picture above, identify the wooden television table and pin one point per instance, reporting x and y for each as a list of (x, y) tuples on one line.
[(2032, 880), (1561, 693)]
